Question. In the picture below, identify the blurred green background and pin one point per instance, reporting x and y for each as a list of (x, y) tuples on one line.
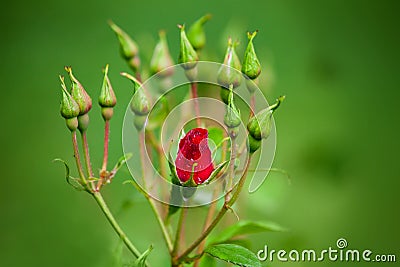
[(337, 62)]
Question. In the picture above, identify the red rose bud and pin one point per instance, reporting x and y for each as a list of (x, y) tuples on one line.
[(107, 98), (129, 48), (69, 109), (193, 162), (251, 66), (260, 125), (196, 34), (161, 59), (187, 55), (229, 73), (79, 94)]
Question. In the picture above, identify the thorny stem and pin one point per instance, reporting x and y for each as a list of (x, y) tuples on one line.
[(227, 205), (193, 87), (153, 206), (100, 201)]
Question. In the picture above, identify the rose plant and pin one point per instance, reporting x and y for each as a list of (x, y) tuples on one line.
[(194, 165)]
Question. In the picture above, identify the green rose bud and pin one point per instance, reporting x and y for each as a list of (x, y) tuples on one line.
[(254, 144), (260, 125), (251, 66), (232, 115), (161, 59), (129, 48), (196, 34), (229, 73), (79, 94), (139, 103), (107, 97), (187, 55), (69, 109)]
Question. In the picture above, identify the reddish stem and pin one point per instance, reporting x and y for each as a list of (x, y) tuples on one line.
[(252, 104), (87, 155), (106, 141), (193, 87)]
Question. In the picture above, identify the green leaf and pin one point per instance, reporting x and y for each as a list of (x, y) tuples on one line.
[(141, 261), (208, 261), (245, 228), (74, 182), (122, 160), (235, 254)]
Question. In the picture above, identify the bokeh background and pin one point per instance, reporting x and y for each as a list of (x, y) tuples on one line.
[(338, 132)]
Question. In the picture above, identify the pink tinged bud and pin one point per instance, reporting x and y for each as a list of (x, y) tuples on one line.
[(79, 94)]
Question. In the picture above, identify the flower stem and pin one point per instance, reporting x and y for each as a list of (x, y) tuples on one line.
[(193, 87), (86, 154), (252, 104), (106, 141), (100, 201), (179, 232), (160, 221), (227, 205), (78, 159)]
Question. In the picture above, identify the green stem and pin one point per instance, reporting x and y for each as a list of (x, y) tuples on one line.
[(160, 221), (100, 201), (78, 159), (227, 205), (179, 230)]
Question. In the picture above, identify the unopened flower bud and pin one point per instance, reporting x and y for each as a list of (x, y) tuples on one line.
[(79, 94), (161, 59), (260, 125), (129, 48), (196, 34), (69, 109), (232, 115), (139, 103), (251, 66), (187, 55), (107, 97), (229, 73), (254, 144)]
